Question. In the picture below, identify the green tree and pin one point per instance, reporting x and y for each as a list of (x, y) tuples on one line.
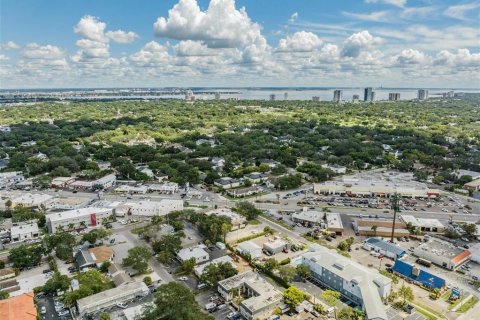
[(374, 229), (330, 296), (105, 265), (4, 295), (105, 316), (56, 282), (137, 258), (215, 272), (8, 204), (147, 280), (287, 272), (63, 244), (303, 271), (25, 256), (406, 293), (188, 265), (293, 297), (349, 313), (247, 210), (96, 234), (167, 247), (270, 264), (174, 301)]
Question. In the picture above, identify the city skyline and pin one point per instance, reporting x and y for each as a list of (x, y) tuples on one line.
[(189, 43)]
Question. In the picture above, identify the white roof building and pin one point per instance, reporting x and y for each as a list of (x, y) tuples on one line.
[(154, 208), (197, 252), (237, 219), (131, 189), (30, 200), (309, 216), (22, 232), (251, 248), (334, 222), (423, 224), (354, 281), (78, 218)]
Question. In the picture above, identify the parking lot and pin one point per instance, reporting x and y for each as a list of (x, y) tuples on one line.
[(394, 314), (205, 298), (51, 313)]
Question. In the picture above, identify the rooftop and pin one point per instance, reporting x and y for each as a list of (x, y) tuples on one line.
[(193, 252), (334, 220), (310, 216), (264, 293), (24, 228), (224, 259), (422, 222), (385, 245), (18, 308), (101, 254), (443, 248), (65, 215)]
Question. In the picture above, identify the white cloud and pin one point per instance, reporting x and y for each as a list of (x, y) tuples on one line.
[(220, 26), (293, 17), (193, 48), (92, 29), (10, 45), (459, 11), (301, 41), (418, 12), (411, 57), (377, 16), (4, 57), (121, 36), (397, 3), (462, 59), (48, 52), (152, 54), (357, 42)]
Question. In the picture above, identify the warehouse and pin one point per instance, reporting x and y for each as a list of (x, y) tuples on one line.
[(78, 219), (418, 275), (442, 253), (423, 224), (154, 208), (308, 217), (250, 248), (274, 247), (32, 200), (103, 300), (379, 227), (334, 223), (386, 248)]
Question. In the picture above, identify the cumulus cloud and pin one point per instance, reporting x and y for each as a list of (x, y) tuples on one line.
[(121, 36), (92, 29), (397, 3), (10, 45), (193, 48), (300, 41), (220, 26), (4, 57), (462, 59), (48, 52), (410, 57), (357, 42), (152, 54)]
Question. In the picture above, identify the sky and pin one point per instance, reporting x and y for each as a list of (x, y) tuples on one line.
[(185, 43)]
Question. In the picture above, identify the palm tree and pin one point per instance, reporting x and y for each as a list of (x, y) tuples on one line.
[(374, 229), (60, 229), (83, 224), (71, 226), (8, 204)]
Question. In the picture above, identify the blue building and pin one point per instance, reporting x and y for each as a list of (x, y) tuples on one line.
[(419, 275)]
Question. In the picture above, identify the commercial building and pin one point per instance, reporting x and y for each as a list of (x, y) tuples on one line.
[(308, 217), (368, 94), (24, 231), (21, 307), (361, 285), (105, 182), (334, 222), (78, 218), (236, 219), (386, 248), (250, 248), (168, 187), (105, 299), (472, 185), (131, 189), (197, 252), (224, 259), (154, 208), (460, 173), (422, 94), (260, 296), (379, 227), (356, 98), (272, 97), (418, 275), (10, 178), (423, 224), (442, 253), (275, 246), (227, 183), (70, 203), (316, 99), (393, 96), (32, 200), (337, 96), (374, 188), (243, 192)]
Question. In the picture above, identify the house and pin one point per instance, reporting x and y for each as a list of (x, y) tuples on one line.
[(227, 183), (386, 248), (271, 163), (41, 156), (442, 253), (224, 259), (21, 307), (210, 142), (93, 257), (357, 283), (250, 248), (236, 219), (217, 163), (197, 252), (8, 179), (243, 192), (335, 168), (255, 177), (24, 232), (260, 297)]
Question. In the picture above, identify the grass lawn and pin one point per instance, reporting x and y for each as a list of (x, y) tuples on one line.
[(254, 222), (468, 305), (279, 222), (446, 295), (427, 311)]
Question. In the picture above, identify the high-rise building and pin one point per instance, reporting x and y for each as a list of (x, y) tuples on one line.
[(217, 95), (393, 96), (337, 96), (367, 95), (315, 98), (356, 98), (422, 94), (374, 96), (272, 97), (189, 96), (285, 96)]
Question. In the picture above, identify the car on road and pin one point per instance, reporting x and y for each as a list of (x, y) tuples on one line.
[(121, 305), (183, 278), (43, 310), (475, 278), (63, 313)]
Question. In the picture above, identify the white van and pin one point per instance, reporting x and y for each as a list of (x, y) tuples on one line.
[(201, 286), (210, 307)]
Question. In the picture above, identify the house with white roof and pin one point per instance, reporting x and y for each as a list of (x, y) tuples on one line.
[(196, 252)]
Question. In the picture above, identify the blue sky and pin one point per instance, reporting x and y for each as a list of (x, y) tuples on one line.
[(236, 43)]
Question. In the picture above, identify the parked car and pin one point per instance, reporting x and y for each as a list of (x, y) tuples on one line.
[(121, 305), (183, 278), (43, 310)]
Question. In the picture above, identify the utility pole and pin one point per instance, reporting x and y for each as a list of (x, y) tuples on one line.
[(395, 208)]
